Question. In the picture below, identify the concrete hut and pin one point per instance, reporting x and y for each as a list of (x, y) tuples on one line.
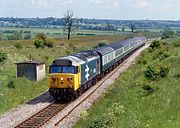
[(33, 70)]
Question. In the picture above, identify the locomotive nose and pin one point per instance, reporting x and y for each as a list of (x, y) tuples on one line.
[(61, 81)]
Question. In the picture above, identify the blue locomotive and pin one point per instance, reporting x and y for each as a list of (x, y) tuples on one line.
[(70, 75)]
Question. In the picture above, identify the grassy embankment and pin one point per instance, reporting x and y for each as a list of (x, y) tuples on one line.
[(140, 99), (15, 91)]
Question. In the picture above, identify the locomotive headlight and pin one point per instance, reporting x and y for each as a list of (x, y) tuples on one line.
[(62, 78)]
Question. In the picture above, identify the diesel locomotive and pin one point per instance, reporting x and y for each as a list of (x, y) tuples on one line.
[(70, 75)]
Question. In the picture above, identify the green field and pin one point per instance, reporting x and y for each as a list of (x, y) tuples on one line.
[(58, 32), (136, 101)]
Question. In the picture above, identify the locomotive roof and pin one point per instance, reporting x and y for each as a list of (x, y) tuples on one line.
[(104, 50), (86, 55), (71, 60)]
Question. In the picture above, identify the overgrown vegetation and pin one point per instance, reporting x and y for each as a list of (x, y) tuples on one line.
[(145, 96), (18, 45), (40, 41), (101, 43), (3, 56)]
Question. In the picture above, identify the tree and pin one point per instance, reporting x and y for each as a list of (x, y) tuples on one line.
[(132, 27), (68, 22), (123, 28)]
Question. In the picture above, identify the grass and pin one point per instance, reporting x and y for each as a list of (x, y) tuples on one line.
[(133, 101), (15, 91)]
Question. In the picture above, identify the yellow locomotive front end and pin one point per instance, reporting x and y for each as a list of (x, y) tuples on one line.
[(64, 79)]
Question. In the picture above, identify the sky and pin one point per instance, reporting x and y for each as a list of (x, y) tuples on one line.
[(99, 9)]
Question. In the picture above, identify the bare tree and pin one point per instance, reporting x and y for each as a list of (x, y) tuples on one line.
[(132, 27), (68, 22)]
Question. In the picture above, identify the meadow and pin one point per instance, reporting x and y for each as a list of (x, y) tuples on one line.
[(57, 32), (147, 95)]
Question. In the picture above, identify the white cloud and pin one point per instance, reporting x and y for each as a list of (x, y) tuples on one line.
[(143, 4)]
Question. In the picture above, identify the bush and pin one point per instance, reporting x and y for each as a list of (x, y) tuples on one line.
[(40, 41), (101, 44), (49, 43), (177, 43), (3, 56), (151, 73), (162, 54), (154, 72), (155, 44), (11, 84), (18, 45), (168, 34)]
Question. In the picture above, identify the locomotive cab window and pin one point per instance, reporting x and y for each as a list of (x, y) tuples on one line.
[(55, 69), (63, 69), (69, 69)]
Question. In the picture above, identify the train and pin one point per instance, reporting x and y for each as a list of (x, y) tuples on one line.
[(70, 75)]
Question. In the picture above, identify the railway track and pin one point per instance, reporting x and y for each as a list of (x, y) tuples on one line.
[(46, 114), (43, 116)]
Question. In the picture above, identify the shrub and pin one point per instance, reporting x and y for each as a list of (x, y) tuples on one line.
[(39, 43), (168, 34), (11, 84), (18, 45), (177, 43), (148, 89), (163, 71), (161, 55), (49, 43), (154, 72), (155, 44), (3, 56), (40, 40), (101, 44), (151, 73)]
